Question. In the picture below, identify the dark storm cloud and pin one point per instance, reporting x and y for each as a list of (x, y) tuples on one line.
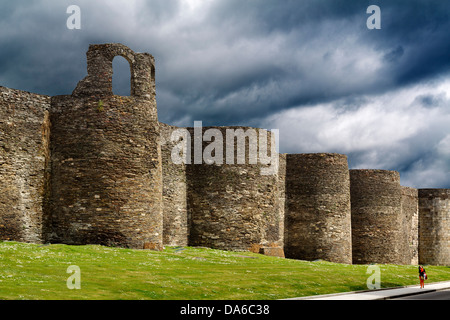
[(310, 68), (307, 52), (416, 34), (269, 54), (404, 130), (269, 16)]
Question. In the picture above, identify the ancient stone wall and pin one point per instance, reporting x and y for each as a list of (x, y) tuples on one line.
[(434, 226), (94, 168), (282, 197), (24, 160), (410, 213), (377, 232), (232, 206), (98, 82), (318, 213), (176, 227), (106, 182)]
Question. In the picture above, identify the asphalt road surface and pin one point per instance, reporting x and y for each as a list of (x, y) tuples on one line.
[(438, 295)]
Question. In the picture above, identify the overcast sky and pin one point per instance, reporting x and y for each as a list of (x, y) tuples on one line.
[(310, 68)]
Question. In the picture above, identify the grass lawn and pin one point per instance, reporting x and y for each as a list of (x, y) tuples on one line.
[(39, 272)]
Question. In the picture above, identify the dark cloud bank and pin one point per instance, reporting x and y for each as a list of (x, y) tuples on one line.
[(309, 68)]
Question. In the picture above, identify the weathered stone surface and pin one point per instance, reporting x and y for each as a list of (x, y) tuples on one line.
[(98, 82), (281, 183), (92, 167), (232, 206), (153, 246), (318, 214), (377, 221), (176, 226), (272, 251), (106, 182), (24, 163), (434, 226), (410, 213)]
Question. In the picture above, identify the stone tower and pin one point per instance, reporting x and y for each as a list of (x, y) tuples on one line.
[(434, 226), (318, 213), (410, 213), (106, 181), (24, 164), (233, 206), (175, 216), (97, 168), (377, 221)]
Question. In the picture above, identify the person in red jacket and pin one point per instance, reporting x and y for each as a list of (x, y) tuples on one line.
[(422, 276)]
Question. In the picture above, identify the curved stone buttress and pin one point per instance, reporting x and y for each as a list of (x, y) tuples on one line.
[(318, 214), (377, 217), (233, 206), (106, 183), (434, 226)]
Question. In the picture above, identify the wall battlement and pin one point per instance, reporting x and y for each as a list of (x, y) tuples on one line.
[(95, 168)]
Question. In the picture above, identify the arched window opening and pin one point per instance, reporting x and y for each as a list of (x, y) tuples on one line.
[(121, 80)]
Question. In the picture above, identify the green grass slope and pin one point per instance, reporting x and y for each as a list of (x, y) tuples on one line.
[(39, 272)]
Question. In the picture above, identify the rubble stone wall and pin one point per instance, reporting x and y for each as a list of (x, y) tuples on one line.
[(176, 222), (95, 168), (106, 181), (434, 226), (410, 212), (377, 221), (318, 212), (233, 206), (24, 164)]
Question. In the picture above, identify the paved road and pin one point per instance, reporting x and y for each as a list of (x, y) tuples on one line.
[(432, 291), (438, 295)]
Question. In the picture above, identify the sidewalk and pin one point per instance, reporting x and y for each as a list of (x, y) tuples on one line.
[(381, 294)]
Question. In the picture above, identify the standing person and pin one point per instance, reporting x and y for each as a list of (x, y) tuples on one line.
[(422, 276)]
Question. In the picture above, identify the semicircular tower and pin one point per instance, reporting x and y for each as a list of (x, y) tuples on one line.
[(434, 226), (106, 184), (318, 216), (233, 205), (377, 220)]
